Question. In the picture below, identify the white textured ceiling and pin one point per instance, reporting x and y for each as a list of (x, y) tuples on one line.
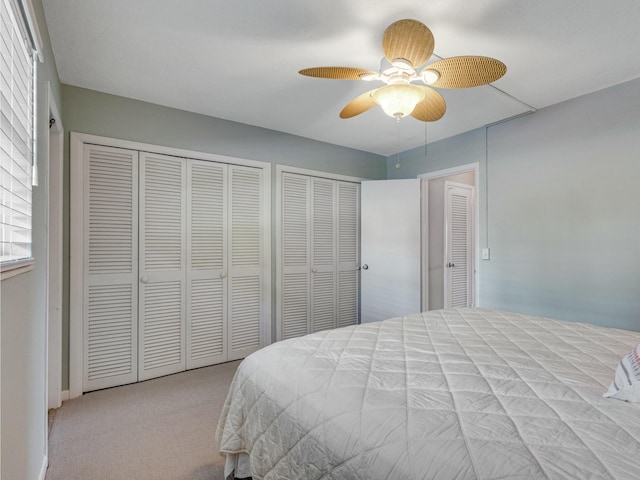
[(238, 60)]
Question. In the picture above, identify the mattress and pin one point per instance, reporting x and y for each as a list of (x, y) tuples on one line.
[(451, 394)]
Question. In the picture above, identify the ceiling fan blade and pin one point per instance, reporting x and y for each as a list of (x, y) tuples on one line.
[(468, 71), (358, 105), (408, 39), (338, 73), (430, 109)]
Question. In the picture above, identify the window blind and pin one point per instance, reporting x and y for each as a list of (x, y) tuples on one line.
[(16, 134)]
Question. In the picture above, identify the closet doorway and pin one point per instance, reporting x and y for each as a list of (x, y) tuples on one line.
[(317, 251), (407, 225), (170, 261), (449, 237)]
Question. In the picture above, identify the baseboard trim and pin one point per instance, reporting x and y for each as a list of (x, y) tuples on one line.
[(64, 395), (43, 468)]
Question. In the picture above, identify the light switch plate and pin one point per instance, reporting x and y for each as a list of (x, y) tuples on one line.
[(485, 254)]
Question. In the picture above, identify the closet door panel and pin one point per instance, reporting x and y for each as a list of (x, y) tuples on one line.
[(206, 327), (323, 254), (295, 255), (110, 267), (162, 265), (246, 222), (348, 252)]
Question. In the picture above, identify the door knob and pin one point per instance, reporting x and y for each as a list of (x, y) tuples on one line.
[(144, 279), (223, 274), (450, 265), (314, 270), (365, 267)]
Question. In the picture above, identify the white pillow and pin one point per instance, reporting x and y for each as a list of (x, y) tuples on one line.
[(626, 382)]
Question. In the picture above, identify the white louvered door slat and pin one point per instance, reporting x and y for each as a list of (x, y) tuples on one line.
[(295, 255), (458, 261), (246, 277), (323, 254), (348, 252), (110, 267), (162, 265), (207, 264)]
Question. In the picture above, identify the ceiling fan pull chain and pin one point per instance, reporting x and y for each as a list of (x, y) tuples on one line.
[(398, 154)]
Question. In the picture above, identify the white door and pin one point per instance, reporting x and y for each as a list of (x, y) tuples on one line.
[(294, 247), (348, 253), (390, 251), (162, 269), (458, 271), (323, 254), (247, 216), (110, 268), (207, 241)]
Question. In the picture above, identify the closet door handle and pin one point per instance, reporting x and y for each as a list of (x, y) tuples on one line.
[(223, 274), (365, 267), (451, 265), (144, 279), (314, 270)]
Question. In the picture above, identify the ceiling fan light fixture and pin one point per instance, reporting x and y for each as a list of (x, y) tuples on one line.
[(398, 100), (430, 76)]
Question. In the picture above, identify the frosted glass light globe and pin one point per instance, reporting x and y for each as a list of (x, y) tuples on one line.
[(398, 100)]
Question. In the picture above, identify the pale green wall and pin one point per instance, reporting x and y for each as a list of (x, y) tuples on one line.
[(23, 313), (88, 111), (563, 207)]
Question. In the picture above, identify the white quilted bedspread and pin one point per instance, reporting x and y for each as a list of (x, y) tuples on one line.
[(452, 394)]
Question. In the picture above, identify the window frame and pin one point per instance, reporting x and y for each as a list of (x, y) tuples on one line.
[(23, 20)]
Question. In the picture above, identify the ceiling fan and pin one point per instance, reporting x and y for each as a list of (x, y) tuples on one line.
[(408, 44)]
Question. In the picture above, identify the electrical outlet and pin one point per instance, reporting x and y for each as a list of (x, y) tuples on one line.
[(485, 253)]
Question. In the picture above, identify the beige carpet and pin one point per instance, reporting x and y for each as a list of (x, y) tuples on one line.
[(159, 429)]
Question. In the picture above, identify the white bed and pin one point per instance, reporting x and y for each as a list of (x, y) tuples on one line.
[(464, 394)]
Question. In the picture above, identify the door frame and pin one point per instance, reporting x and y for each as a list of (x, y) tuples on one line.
[(280, 169), (76, 237), (55, 152), (425, 177)]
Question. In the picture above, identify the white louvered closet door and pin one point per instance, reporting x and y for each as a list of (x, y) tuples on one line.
[(207, 263), (458, 269), (110, 303), (295, 255), (162, 266), (323, 254), (319, 254), (348, 253), (246, 263)]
